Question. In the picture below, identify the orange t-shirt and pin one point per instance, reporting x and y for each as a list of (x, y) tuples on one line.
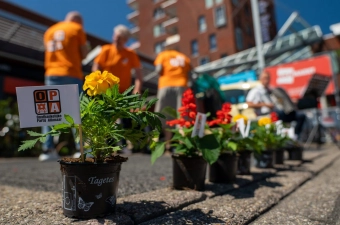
[(62, 49), (175, 69), (119, 63)]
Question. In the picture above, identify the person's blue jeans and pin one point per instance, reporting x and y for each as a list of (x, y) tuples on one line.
[(59, 80)]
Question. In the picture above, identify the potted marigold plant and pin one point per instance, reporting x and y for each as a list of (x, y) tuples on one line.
[(244, 146), (224, 170), (90, 185), (191, 154), (265, 135)]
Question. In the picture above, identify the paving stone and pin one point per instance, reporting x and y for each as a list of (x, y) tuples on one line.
[(280, 218), (23, 206)]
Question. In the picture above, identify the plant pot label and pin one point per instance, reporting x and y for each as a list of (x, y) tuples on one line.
[(47, 105), (198, 129), (99, 182)]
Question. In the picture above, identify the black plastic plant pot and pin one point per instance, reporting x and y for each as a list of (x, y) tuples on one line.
[(224, 170), (189, 172), (89, 190), (279, 156), (295, 153), (244, 162), (265, 159)]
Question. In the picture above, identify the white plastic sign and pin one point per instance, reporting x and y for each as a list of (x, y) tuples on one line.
[(247, 129), (279, 127), (198, 129), (241, 126), (47, 105)]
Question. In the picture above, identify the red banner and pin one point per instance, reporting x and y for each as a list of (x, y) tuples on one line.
[(294, 77)]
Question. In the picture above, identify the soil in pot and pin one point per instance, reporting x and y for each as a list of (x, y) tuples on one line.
[(244, 162), (265, 159), (189, 172), (295, 153), (279, 156), (224, 170), (89, 189)]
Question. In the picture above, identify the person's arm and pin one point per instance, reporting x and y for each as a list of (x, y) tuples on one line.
[(259, 105), (138, 81), (158, 69), (253, 100)]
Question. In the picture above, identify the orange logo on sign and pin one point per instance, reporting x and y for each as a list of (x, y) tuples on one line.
[(47, 101)]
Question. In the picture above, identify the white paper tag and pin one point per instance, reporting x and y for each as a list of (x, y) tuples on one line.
[(291, 132), (47, 105), (241, 126), (247, 129), (279, 127), (198, 129)]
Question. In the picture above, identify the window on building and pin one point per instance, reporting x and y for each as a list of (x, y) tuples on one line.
[(202, 25), (247, 10), (209, 3), (239, 38), (158, 30), (235, 2), (212, 42), (220, 16), (156, 1), (159, 47), (204, 60), (224, 55), (158, 13), (194, 47), (218, 1)]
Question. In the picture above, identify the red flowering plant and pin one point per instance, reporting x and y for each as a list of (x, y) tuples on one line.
[(266, 133), (224, 129), (182, 140)]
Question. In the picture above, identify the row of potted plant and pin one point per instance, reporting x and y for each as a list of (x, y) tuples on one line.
[(226, 146)]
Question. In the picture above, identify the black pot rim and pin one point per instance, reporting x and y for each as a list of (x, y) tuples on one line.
[(88, 163), (177, 156)]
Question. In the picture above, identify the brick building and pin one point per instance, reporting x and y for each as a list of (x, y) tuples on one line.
[(205, 30)]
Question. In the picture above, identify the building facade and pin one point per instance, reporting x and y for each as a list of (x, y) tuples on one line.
[(204, 30)]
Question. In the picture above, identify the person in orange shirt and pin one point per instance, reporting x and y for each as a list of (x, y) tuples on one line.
[(119, 60), (65, 47), (173, 69)]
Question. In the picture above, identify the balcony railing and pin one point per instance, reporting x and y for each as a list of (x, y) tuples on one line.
[(134, 32), (132, 4), (170, 7), (133, 17), (172, 40), (171, 25)]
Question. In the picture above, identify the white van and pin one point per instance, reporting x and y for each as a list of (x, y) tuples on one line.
[(236, 94)]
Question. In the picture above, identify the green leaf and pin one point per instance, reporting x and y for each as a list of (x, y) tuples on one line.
[(127, 91), (43, 139), (108, 92), (61, 126), (170, 112), (151, 103), (28, 144), (209, 147), (232, 145), (34, 134), (188, 143), (69, 119), (157, 152)]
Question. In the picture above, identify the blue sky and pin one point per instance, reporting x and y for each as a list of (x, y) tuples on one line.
[(101, 16)]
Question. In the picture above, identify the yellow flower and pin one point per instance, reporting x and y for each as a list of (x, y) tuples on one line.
[(240, 116), (97, 83), (264, 121)]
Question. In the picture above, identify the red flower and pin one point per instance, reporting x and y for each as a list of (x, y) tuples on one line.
[(223, 116), (274, 117), (187, 111)]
